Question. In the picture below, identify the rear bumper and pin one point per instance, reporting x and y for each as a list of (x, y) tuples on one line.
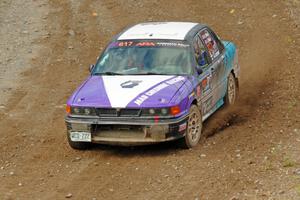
[(126, 131)]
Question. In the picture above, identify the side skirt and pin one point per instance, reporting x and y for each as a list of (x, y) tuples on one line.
[(214, 108)]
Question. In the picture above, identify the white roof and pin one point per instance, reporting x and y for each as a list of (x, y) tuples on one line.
[(158, 30)]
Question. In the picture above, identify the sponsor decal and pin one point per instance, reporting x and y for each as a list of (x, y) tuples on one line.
[(156, 119), (162, 100), (80, 99), (207, 105), (205, 83), (130, 84), (156, 89), (147, 44), (125, 44), (198, 91), (174, 44), (182, 127)]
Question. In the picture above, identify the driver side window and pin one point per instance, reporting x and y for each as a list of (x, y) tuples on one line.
[(200, 52)]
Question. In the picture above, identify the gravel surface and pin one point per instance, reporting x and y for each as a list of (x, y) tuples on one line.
[(21, 28), (251, 151)]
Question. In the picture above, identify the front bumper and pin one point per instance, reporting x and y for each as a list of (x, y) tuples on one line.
[(128, 131)]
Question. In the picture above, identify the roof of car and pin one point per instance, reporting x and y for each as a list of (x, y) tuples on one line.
[(158, 30)]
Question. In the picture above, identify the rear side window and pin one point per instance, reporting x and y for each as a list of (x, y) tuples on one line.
[(210, 43), (200, 51), (218, 40)]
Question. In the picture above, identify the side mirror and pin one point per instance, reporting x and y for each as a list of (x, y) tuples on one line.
[(199, 70), (91, 68)]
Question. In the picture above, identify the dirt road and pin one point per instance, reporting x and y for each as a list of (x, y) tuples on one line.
[(251, 152)]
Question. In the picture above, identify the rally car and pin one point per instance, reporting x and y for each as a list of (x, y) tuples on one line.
[(154, 82)]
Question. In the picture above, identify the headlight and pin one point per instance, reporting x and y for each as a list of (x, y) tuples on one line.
[(152, 111), (83, 111), (77, 111), (156, 112), (87, 111)]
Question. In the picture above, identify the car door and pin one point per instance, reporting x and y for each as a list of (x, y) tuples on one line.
[(204, 77), (216, 57)]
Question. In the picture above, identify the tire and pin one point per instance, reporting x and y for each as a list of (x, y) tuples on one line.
[(78, 145), (232, 91), (194, 129)]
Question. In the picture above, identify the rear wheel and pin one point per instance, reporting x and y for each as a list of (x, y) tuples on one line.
[(78, 145), (231, 93), (194, 128)]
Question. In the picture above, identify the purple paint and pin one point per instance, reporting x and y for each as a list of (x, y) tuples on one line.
[(91, 94)]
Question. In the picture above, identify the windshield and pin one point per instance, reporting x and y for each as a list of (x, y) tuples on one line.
[(145, 57)]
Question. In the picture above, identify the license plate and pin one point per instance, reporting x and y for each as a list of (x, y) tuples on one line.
[(81, 136)]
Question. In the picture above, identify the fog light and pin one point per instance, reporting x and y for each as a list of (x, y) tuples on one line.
[(164, 111)]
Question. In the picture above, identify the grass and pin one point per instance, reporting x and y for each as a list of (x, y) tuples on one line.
[(298, 189), (287, 162)]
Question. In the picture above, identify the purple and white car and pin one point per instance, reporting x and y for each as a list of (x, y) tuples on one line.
[(154, 82)]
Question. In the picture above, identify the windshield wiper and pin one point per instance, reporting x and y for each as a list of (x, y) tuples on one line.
[(149, 73), (107, 73)]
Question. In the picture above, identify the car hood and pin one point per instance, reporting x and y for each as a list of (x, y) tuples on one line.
[(128, 91)]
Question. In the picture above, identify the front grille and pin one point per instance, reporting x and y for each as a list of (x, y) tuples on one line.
[(130, 112), (119, 131), (106, 112), (173, 128), (112, 112)]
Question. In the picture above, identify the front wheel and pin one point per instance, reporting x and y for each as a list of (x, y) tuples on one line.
[(194, 128), (232, 92)]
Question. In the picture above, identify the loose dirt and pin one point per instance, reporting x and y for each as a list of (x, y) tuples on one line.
[(251, 151)]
